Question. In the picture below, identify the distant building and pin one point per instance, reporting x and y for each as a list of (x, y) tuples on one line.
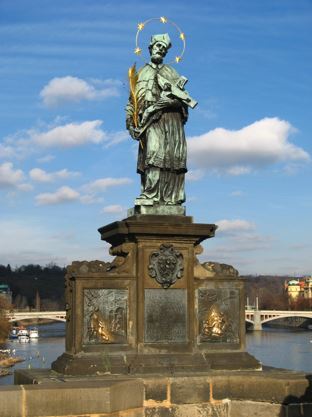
[(6, 293), (293, 289), (308, 288), (299, 288)]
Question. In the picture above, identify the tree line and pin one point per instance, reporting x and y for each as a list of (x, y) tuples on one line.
[(30, 283)]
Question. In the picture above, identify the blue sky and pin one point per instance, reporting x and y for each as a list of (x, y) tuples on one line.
[(67, 165)]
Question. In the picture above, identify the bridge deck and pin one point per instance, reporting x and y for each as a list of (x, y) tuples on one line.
[(262, 315)]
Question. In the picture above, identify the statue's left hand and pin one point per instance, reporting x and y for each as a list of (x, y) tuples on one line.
[(167, 102)]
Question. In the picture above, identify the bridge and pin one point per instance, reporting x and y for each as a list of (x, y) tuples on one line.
[(256, 317), (26, 315)]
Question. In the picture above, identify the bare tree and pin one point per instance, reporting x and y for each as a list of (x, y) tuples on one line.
[(5, 325)]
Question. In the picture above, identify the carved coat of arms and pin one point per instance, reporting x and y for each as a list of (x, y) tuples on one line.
[(166, 265)]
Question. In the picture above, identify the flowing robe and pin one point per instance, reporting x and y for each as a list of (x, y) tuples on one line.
[(162, 156)]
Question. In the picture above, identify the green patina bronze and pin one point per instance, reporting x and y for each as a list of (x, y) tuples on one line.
[(155, 115)]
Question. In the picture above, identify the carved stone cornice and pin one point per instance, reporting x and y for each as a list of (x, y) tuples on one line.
[(141, 227)]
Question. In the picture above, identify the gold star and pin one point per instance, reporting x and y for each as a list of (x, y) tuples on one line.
[(141, 26), (138, 51), (178, 59), (182, 36), (163, 19)]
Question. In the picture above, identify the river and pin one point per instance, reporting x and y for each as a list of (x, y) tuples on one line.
[(281, 348), (37, 353)]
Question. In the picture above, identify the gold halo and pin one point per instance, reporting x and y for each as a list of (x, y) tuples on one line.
[(164, 20)]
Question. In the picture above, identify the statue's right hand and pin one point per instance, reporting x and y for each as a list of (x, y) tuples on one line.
[(134, 132)]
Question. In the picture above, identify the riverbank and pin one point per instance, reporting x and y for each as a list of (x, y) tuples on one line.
[(6, 362)]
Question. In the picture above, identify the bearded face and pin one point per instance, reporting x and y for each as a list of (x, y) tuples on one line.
[(158, 51)]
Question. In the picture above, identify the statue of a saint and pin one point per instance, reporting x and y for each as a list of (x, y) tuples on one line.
[(156, 113)]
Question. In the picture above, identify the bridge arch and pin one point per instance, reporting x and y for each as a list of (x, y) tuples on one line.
[(25, 317)]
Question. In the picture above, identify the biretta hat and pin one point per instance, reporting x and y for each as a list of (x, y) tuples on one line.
[(163, 38)]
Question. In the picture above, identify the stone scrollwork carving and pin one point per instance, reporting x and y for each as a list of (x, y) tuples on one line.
[(166, 265), (215, 269), (212, 269), (68, 296), (85, 267), (124, 260), (122, 263)]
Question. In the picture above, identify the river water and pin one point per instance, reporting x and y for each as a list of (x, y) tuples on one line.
[(281, 348), (37, 353)]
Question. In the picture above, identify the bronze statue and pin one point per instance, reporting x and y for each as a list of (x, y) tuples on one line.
[(155, 115)]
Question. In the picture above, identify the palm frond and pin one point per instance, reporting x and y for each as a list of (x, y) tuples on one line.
[(133, 79)]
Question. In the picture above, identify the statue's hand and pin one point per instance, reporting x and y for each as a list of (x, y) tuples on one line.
[(134, 132), (167, 102)]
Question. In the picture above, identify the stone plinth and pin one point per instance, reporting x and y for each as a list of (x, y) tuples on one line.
[(154, 308)]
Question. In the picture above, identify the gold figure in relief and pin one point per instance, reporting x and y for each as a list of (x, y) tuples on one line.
[(216, 322), (98, 327)]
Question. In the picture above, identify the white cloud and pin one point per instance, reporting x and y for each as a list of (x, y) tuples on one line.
[(8, 176), (69, 135), (238, 170), (260, 144), (46, 158), (194, 175), (25, 187), (103, 183), (6, 151), (90, 199), (291, 169), (27, 142), (237, 193), (40, 175), (241, 239), (226, 226), (242, 248), (113, 138), (114, 208), (12, 178), (39, 243), (72, 90), (61, 195)]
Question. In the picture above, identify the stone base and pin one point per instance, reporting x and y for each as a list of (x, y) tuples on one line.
[(159, 209), (155, 309), (268, 393), (164, 364)]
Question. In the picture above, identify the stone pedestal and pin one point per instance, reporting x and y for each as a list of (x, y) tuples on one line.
[(154, 308)]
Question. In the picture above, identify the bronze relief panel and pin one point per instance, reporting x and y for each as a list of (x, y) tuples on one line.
[(218, 315), (105, 316)]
